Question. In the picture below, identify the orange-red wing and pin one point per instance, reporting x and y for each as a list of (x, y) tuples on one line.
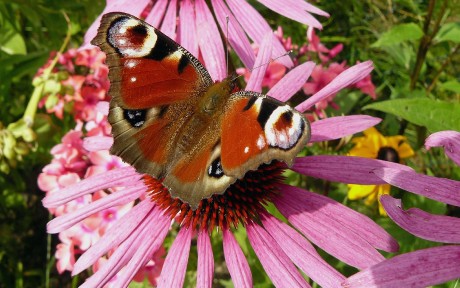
[(242, 136), (146, 67), (152, 141), (257, 129)]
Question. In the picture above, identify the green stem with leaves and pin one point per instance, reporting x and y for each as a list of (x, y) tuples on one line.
[(31, 109)]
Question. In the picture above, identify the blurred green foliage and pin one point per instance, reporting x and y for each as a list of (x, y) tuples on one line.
[(29, 31), (414, 46)]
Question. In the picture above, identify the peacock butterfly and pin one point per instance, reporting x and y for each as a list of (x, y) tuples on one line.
[(171, 121)]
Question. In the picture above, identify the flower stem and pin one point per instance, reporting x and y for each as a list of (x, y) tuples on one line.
[(443, 66), (426, 40), (31, 109)]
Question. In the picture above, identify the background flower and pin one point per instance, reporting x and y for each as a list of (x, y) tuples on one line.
[(375, 145)]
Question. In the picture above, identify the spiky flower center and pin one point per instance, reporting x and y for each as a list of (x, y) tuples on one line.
[(240, 203)]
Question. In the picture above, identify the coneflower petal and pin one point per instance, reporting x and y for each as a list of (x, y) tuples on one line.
[(449, 140), (311, 213), (344, 169), (236, 261), (302, 253), (434, 266), (173, 272), (437, 228), (340, 126), (236, 36), (263, 57), (292, 82), (120, 197), (276, 263), (117, 234), (343, 80), (125, 176), (205, 270), (440, 189)]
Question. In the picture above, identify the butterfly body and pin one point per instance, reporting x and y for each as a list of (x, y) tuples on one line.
[(171, 121)]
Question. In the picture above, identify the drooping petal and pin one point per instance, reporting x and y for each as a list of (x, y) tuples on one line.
[(168, 26), (449, 140), (308, 7), (421, 268), (343, 80), (97, 143), (187, 24), (156, 14), (236, 36), (291, 82), (210, 42), (127, 6), (345, 169), (116, 234), (173, 272), (117, 177), (292, 11), (150, 231), (236, 261), (205, 270), (145, 251), (340, 126), (302, 253), (437, 228), (256, 27), (335, 228), (440, 189), (120, 197), (279, 268), (263, 57)]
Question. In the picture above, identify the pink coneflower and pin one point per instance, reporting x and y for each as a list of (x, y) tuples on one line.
[(428, 266), (347, 235), (195, 29)]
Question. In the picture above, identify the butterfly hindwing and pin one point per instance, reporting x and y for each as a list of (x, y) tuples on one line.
[(257, 129)]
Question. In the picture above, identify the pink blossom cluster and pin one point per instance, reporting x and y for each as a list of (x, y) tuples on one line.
[(321, 75), (83, 80), (72, 163), (326, 71)]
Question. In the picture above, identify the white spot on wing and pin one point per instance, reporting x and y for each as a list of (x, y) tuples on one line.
[(261, 142), (131, 64), (133, 79), (246, 149)]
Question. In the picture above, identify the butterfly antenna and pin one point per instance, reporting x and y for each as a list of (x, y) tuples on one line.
[(227, 19), (261, 65)]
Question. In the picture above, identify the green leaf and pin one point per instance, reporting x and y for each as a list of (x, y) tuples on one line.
[(449, 32), (432, 114), (399, 33), (11, 42), (452, 85)]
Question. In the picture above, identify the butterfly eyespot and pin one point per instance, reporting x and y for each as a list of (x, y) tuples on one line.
[(140, 30), (266, 111), (215, 169), (135, 117)]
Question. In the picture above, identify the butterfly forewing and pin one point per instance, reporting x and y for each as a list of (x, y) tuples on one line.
[(154, 81)]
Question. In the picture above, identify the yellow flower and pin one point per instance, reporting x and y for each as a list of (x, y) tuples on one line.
[(375, 145)]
